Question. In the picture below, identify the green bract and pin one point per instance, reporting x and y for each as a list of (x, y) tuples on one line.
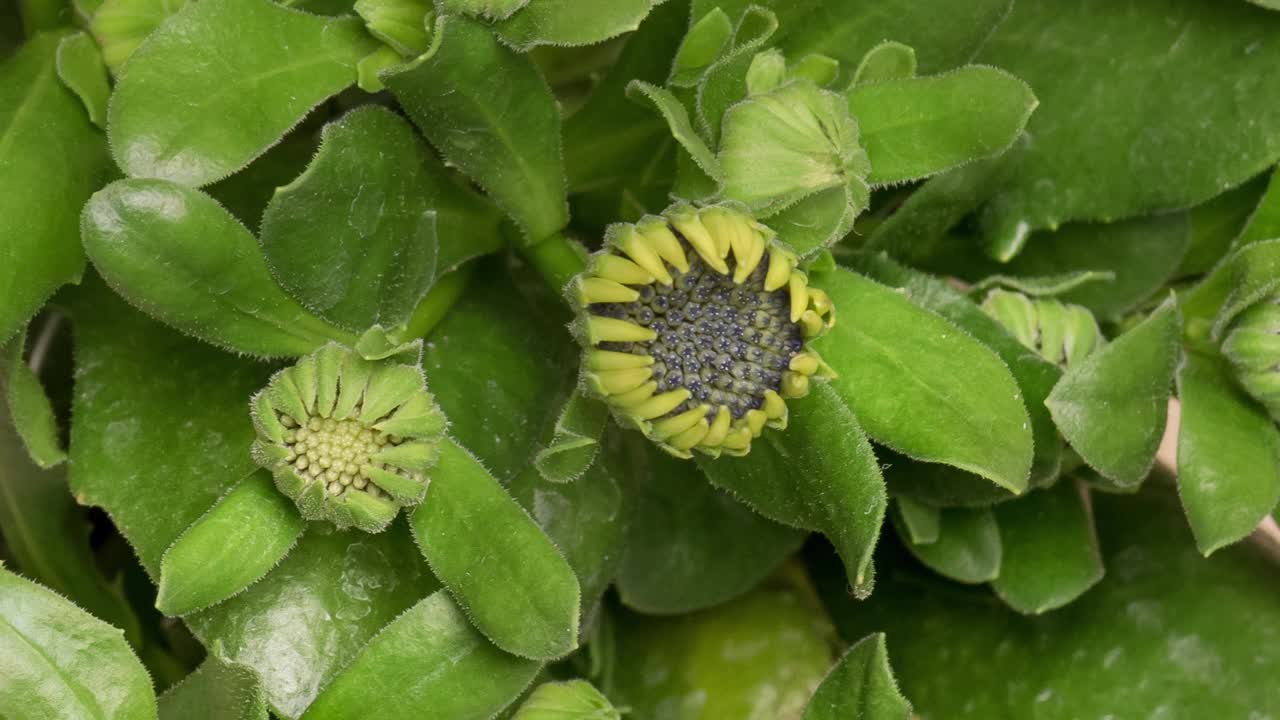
[(1252, 345), (350, 440), (695, 325)]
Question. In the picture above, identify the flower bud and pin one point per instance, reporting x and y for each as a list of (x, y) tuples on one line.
[(696, 327), (1061, 333), (350, 440), (1252, 346)]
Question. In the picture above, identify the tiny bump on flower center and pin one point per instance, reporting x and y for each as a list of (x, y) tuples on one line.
[(696, 326), (339, 453)]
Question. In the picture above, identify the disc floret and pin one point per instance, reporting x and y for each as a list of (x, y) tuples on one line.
[(696, 327), (350, 440)]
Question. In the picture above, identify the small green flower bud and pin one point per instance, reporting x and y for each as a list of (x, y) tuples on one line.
[(696, 326), (349, 440), (1061, 333), (401, 24), (1252, 345)]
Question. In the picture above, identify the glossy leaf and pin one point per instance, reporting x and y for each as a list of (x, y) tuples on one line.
[(213, 88), (1144, 153), (860, 686), (1143, 255), (429, 657), (1160, 634), (217, 690), (759, 656), (915, 127), (53, 158), (58, 661), (80, 68), (922, 386), (1035, 376), (28, 407), (500, 567), (819, 474), (1112, 406), (575, 441), (175, 253), (361, 236), (512, 144), (887, 61), (1228, 455), (968, 548), (691, 546), (556, 22), (245, 534), (1051, 552), (568, 700), (46, 535)]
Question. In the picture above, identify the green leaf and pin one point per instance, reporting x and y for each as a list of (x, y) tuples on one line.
[(1145, 153), (759, 656), (313, 615), (689, 545), (80, 68), (167, 120), (725, 83), (1228, 455), (1112, 406), (1043, 285), (924, 387), (161, 425), (1162, 630), (945, 34), (429, 657), (702, 45), (492, 9), (915, 127), (53, 158), (1219, 224), (887, 61), (495, 560), (1241, 277), (1143, 254), (245, 534), (922, 522), (246, 194), (860, 687), (576, 441), (1264, 223), (561, 22), (512, 342), (176, 254), (401, 24), (1255, 276), (818, 221), (819, 474), (362, 235), (677, 117), (46, 535), (28, 407), (511, 146), (568, 700), (967, 548), (818, 69), (785, 145), (1034, 375), (217, 690), (58, 661), (1051, 551), (120, 26)]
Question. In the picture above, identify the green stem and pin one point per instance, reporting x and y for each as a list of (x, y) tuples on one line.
[(437, 302), (557, 260)]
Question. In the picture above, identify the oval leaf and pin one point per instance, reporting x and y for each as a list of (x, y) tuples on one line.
[(915, 127), (217, 690), (503, 570), (922, 386), (238, 541), (967, 548), (1113, 405), (216, 86), (429, 657), (860, 687), (58, 661), (556, 22), (175, 253)]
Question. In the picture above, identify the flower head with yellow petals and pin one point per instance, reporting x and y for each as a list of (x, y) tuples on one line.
[(696, 326)]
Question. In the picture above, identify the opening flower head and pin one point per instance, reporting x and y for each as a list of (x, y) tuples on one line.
[(1252, 346), (350, 440), (696, 327)]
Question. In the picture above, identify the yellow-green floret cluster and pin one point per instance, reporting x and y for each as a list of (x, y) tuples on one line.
[(696, 326), (349, 440)]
